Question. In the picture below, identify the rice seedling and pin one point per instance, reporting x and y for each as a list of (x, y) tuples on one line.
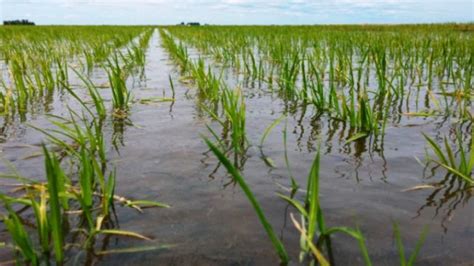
[(294, 184), (361, 116), (177, 51), (93, 195), (313, 225), (446, 157), (69, 135), (22, 240), (62, 75), (279, 248), (315, 234), (233, 122), (267, 131), (209, 85), (56, 187), (233, 104), (173, 92), (401, 250), (94, 94), (118, 84)]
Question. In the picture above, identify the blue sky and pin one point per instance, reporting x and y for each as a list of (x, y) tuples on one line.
[(237, 11)]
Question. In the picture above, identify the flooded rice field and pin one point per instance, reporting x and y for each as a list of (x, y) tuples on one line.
[(325, 145)]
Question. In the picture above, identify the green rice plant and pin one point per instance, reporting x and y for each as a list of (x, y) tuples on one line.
[(173, 92), (279, 248), (361, 115), (178, 52), (47, 76), (446, 158), (89, 60), (94, 94), (401, 250), (313, 221), (267, 131), (118, 84), (233, 104), (86, 178), (21, 90), (312, 213), (316, 88), (48, 213), (380, 60), (56, 189), (136, 55), (316, 252), (22, 241), (62, 75), (315, 233), (20, 236), (208, 83), (294, 184), (233, 121), (288, 76), (7, 104), (56, 197), (41, 214), (69, 135)]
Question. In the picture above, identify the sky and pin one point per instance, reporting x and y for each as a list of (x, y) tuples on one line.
[(237, 11)]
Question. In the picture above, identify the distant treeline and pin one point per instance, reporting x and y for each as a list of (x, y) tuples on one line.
[(190, 24), (18, 22)]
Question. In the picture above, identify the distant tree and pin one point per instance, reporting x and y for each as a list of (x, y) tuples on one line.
[(18, 22), (194, 24)]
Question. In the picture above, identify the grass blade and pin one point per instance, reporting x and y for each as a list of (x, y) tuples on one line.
[(280, 249)]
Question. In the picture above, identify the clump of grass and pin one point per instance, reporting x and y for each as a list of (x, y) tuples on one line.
[(446, 157), (313, 226), (53, 202), (96, 97), (207, 82), (233, 123), (179, 52), (360, 114), (401, 249), (118, 84), (233, 104)]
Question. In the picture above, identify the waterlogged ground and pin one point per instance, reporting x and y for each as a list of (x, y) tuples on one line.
[(160, 156)]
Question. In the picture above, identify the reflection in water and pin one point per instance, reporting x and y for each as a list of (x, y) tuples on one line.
[(239, 162), (95, 246), (119, 126), (362, 152), (450, 191), (4, 129), (446, 196)]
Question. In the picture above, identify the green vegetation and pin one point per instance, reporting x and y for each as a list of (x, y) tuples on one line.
[(446, 158), (353, 87), (72, 204), (314, 232)]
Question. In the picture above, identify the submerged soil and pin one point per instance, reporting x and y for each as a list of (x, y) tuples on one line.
[(160, 156)]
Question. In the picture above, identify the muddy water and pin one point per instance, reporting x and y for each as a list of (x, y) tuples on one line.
[(162, 157)]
